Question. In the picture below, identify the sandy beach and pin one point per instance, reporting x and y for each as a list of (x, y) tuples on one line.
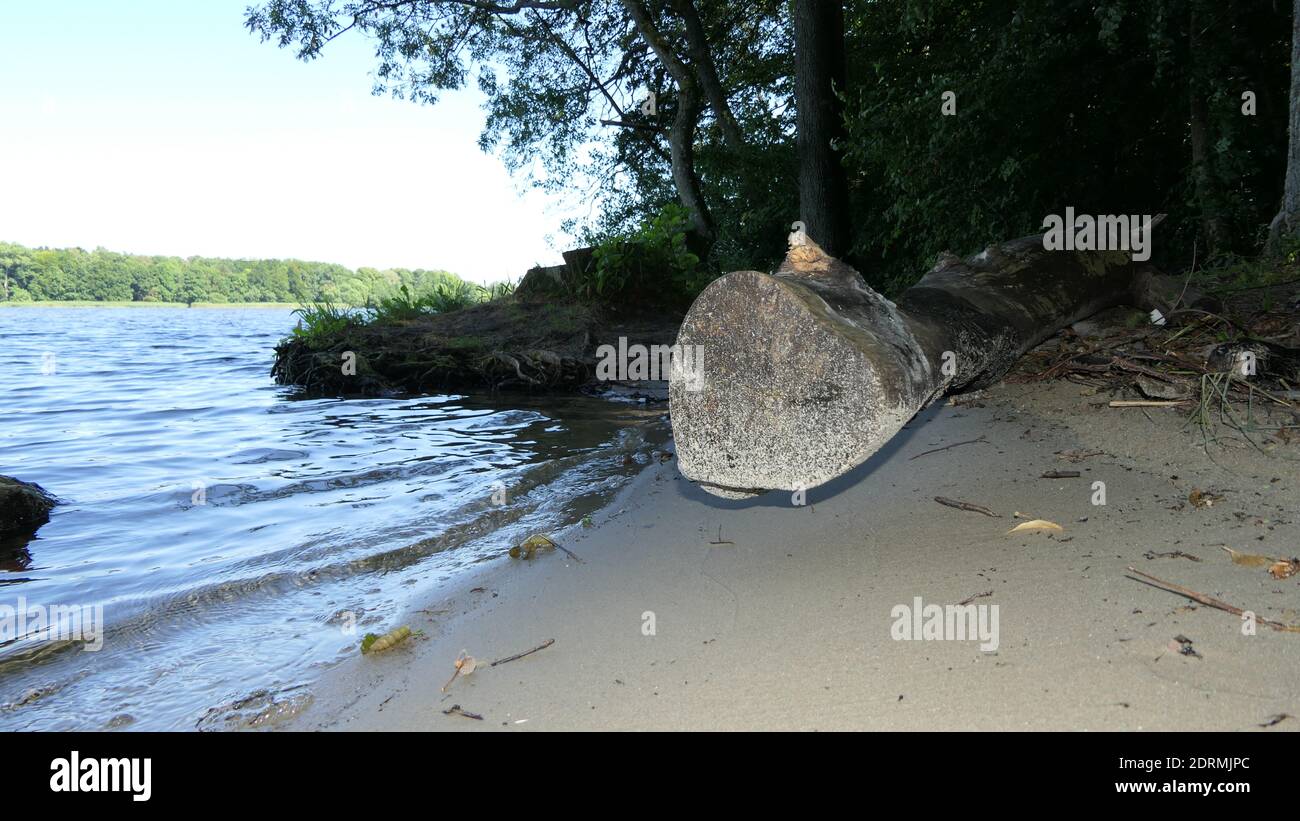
[(791, 621)]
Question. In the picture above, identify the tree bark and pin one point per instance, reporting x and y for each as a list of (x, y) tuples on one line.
[(819, 71), (1287, 221), (806, 373)]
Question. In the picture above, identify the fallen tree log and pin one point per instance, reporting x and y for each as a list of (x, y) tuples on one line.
[(807, 372)]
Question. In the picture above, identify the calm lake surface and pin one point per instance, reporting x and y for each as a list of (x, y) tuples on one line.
[(231, 531)]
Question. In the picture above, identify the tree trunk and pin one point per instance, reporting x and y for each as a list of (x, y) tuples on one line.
[(1287, 221), (681, 137), (681, 147), (819, 72), (806, 373), (1204, 178)]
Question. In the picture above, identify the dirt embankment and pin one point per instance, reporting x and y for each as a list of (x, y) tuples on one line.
[(508, 343)]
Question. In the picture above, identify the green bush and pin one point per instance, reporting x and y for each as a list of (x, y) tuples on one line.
[(652, 266), (453, 296), (500, 290), (319, 323)]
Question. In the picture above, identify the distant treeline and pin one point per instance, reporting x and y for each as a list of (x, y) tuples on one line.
[(36, 274)]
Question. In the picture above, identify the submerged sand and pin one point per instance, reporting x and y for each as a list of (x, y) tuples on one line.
[(791, 622)]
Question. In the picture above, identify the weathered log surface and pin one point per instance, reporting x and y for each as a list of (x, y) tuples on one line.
[(809, 371)]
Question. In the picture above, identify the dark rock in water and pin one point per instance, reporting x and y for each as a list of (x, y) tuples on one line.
[(24, 507)]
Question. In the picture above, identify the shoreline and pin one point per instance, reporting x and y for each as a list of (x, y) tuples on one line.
[(88, 303), (787, 624)]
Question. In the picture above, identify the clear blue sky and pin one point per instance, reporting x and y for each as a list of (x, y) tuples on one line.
[(165, 127)]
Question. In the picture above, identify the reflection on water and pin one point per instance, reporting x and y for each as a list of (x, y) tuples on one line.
[(224, 524)]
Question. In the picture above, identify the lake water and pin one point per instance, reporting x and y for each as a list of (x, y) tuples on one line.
[(231, 531)]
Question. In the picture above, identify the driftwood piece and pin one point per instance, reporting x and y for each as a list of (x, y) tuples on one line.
[(809, 371)]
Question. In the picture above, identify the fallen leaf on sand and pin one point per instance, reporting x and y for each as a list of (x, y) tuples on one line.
[(1284, 568), (1036, 525), (529, 547), (1250, 559), (465, 664)]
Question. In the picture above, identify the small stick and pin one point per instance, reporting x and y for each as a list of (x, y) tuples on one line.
[(450, 680), (455, 710), (966, 506), (1210, 601), (953, 445), (1079, 455), (720, 540), (1148, 403), (1061, 474), (970, 599), (570, 553), (541, 646), (1173, 554)]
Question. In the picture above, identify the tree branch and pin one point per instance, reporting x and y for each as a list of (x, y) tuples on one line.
[(681, 137), (697, 46)]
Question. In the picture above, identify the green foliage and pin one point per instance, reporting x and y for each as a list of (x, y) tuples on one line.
[(441, 298), (651, 266), (103, 276), (399, 307), (322, 322), (501, 290), (1058, 104), (1248, 273), (448, 296)]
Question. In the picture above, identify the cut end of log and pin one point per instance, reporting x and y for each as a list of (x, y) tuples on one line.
[(788, 395)]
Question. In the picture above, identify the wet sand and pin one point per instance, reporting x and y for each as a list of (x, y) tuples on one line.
[(791, 622)]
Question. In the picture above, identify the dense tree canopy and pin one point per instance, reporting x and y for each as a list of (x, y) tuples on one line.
[(1083, 104), (28, 274)]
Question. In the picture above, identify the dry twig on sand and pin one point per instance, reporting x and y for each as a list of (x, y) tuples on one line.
[(960, 505), (946, 447), (541, 646), (1210, 601)]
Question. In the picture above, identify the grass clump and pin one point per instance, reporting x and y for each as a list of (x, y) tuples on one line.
[(320, 323)]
